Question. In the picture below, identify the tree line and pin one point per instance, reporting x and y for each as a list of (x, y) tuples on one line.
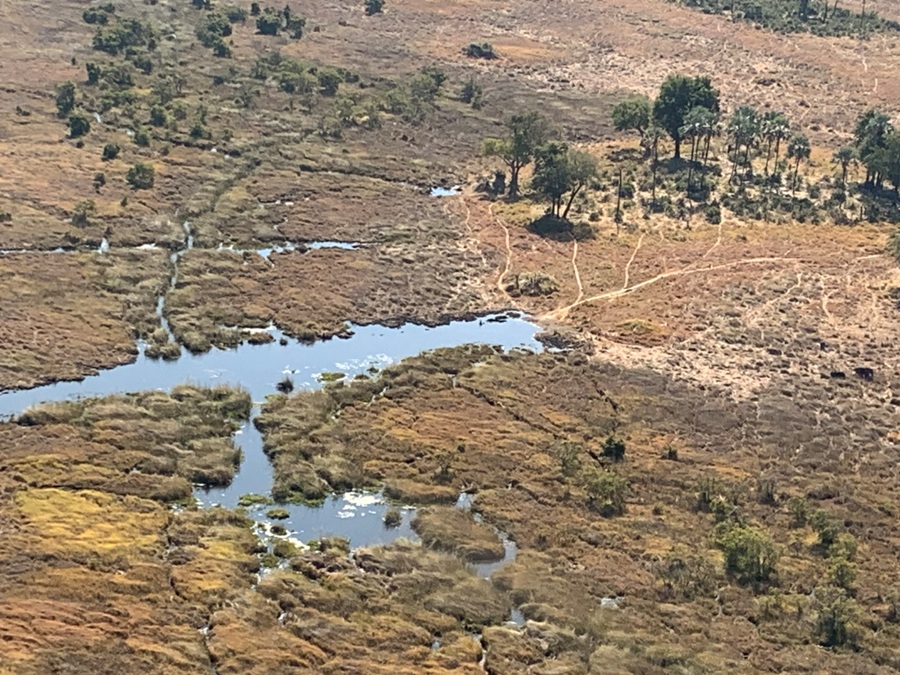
[(687, 110)]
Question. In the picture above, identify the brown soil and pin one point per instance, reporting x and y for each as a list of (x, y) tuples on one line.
[(737, 360)]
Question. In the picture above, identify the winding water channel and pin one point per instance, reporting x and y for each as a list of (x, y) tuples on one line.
[(356, 516), (258, 368)]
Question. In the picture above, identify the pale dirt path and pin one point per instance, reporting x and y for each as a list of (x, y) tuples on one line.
[(609, 295), (508, 264), (575, 268), (631, 260)]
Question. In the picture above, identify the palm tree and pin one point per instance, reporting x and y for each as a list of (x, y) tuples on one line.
[(798, 149), (779, 129), (773, 127), (651, 140), (743, 129), (693, 131), (710, 129), (844, 157)]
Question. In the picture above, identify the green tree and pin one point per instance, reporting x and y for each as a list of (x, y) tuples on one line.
[(526, 132), (213, 28), (798, 150), (606, 493), (329, 82), (110, 152), (886, 161), (872, 131), (842, 574), (269, 22), (158, 116), (79, 125), (774, 128), (569, 455), (743, 129), (428, 83), (236, 14), (614, 448), (472, 93), (844, 158), (678, 94), (652, 138), (632, 114), (836, 618), (750, 555), (561, 171), (83, 212), (374, 7), (93, 73), (65, 99), (296, 25), (141, 176), (99, 181), (298, 84), (697, 123)]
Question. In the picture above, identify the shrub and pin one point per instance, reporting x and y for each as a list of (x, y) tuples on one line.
[(119, 76), (393, 518), (143, 64), (614, 448), (685, 575), (99, 180), (765, 490), (213, 28), (142, 138), (93, 73), (569, 455), (110, 151), (798, 507), (472, 94), (65, 99), (606, 493), (374, 7), (329, 82), (269, 22), (483, 50), (836, 616), (750, 555), (826, 527), (221, 50), (83, 212), (79, 125), (158, 116), (844, 546), (842, 574), (141, 176), (296, 25), (533, 284), (98, 15), (125, 33), (707, 491), (236, 14)]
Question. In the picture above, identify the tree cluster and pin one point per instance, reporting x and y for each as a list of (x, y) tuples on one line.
[(878, 148), (270, 21)]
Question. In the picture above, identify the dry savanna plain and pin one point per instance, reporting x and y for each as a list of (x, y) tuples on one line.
[(698, 470)]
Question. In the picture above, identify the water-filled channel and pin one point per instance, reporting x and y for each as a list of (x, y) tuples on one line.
[(257, 369)]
